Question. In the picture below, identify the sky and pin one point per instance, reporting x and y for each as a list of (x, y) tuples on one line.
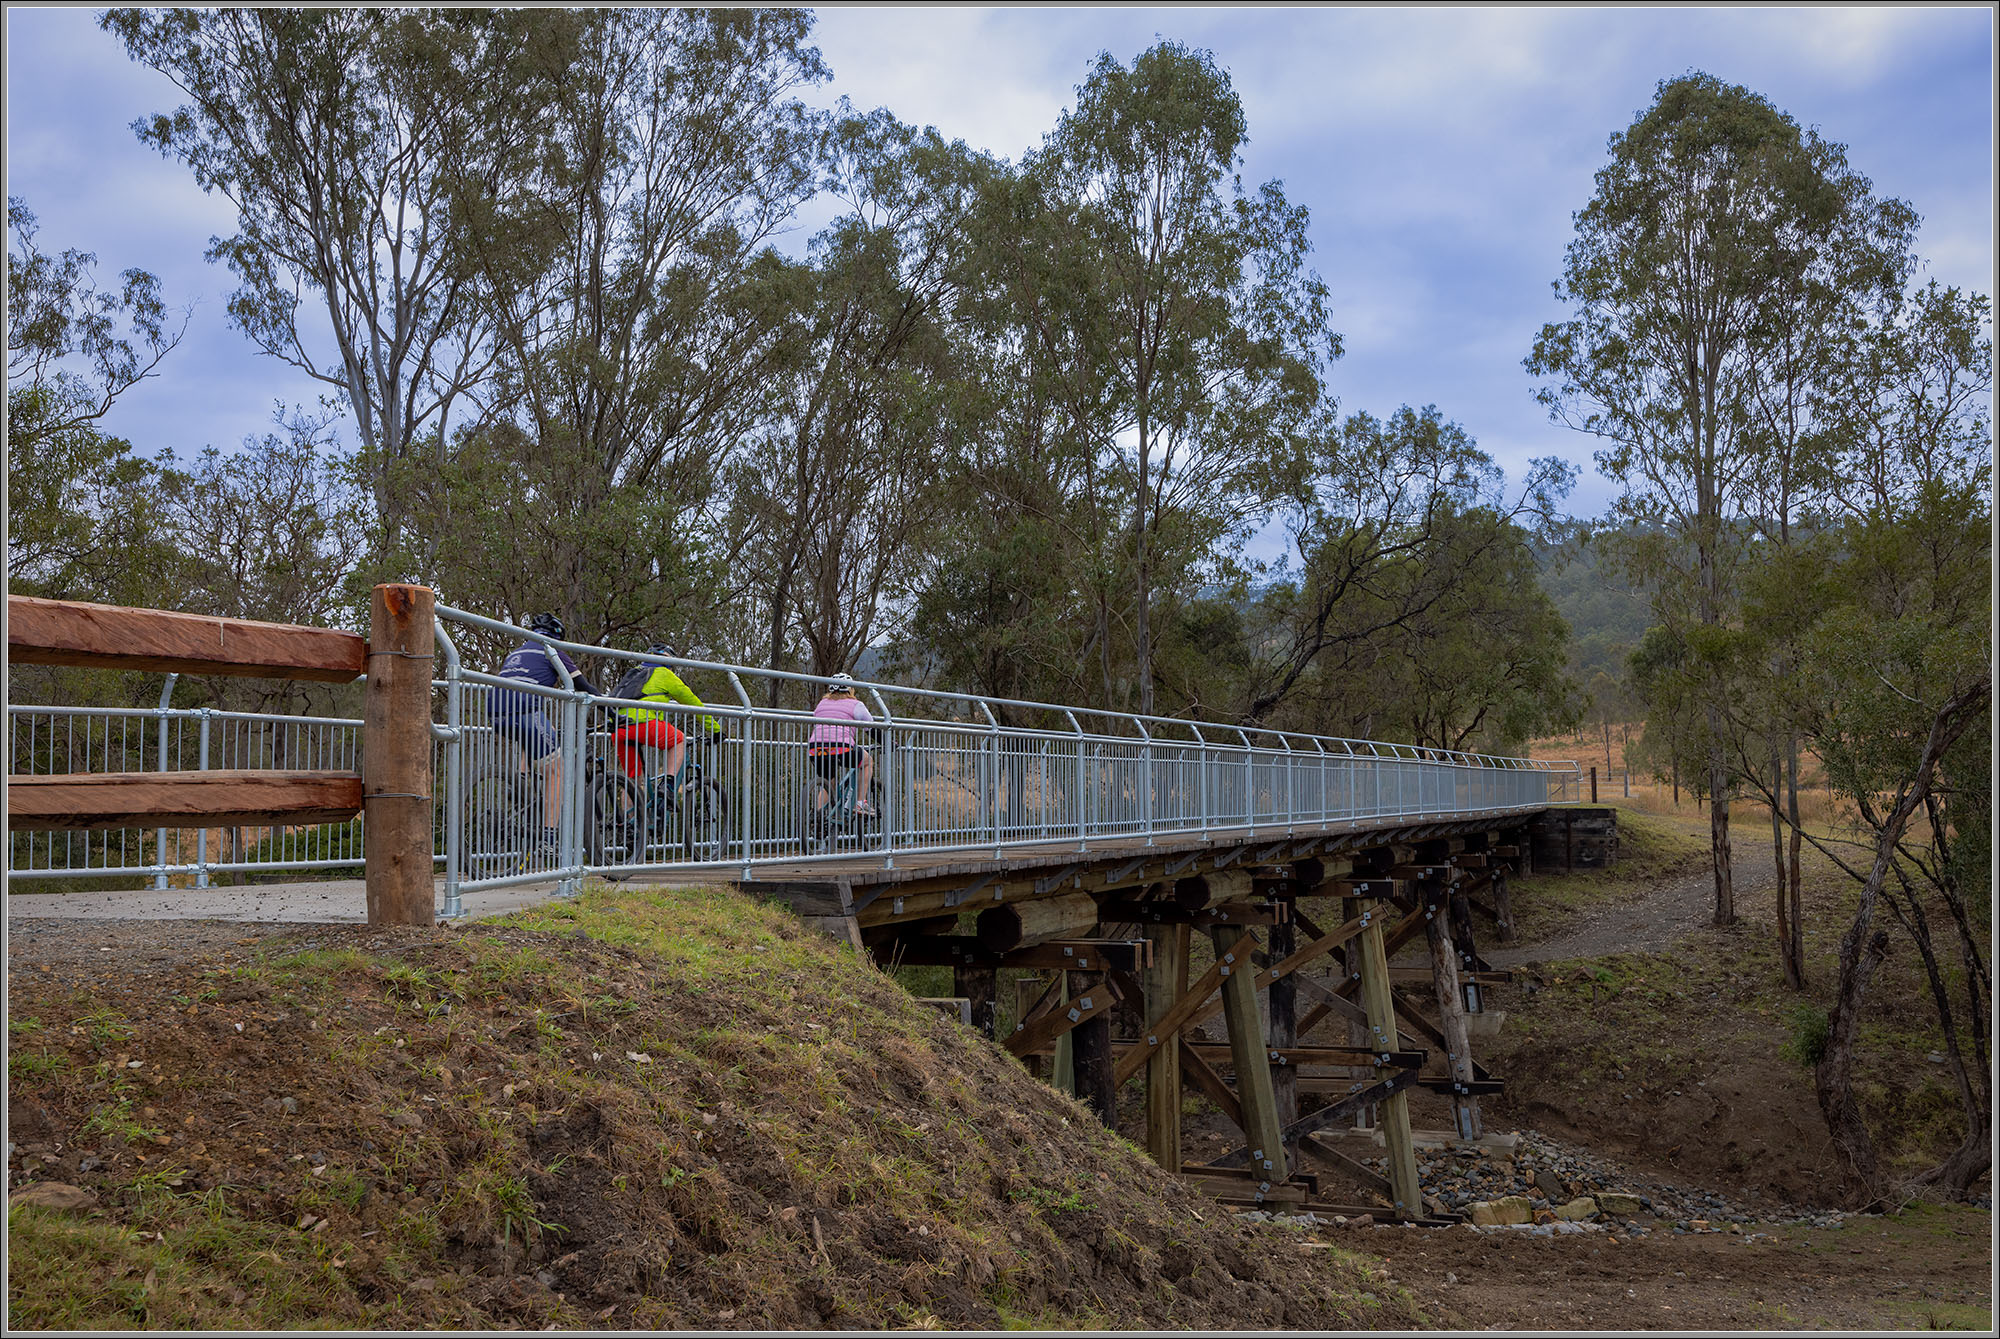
[(1441, 153)]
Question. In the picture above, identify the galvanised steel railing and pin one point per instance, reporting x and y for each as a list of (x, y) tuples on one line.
[(575, 785), (557, 782), (45, 740)]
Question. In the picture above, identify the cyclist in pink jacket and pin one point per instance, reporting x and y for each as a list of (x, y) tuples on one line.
[(832, 746)]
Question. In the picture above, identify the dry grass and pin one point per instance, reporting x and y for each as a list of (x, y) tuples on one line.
[(644, 1109)]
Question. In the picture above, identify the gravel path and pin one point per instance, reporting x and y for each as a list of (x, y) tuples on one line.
[(1652, 922)]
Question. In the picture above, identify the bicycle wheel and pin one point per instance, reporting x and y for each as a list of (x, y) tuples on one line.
[(614, 826), (496, 836), (815, 826), (705, 819)]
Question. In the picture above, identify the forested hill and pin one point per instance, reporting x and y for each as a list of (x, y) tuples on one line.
[(1606, 614)]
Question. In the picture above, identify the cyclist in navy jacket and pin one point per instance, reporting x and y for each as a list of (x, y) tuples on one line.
[(520, 717)]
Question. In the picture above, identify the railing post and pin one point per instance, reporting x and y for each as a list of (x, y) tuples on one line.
[(989, 785), (201, 834), (1200, 786), (742, 775), (160, 834), (396, 755), (1145, 786), (889, 806), (1082, 834), (454, 778)]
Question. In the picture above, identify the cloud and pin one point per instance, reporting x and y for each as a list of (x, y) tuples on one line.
[(1441, 153)]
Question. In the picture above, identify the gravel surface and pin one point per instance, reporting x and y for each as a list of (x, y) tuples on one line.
[(1660, 918)]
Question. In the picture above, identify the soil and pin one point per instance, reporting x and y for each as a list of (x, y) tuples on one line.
[(1080, 1230), (1651, 922), (643, 1110), (1926, 1269)]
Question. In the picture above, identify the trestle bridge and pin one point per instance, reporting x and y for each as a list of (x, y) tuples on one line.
[(1137, 878)]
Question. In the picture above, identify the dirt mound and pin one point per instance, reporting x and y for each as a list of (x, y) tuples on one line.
[(640, 1110)]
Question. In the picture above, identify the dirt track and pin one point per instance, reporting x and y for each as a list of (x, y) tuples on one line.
[(1651, 923)]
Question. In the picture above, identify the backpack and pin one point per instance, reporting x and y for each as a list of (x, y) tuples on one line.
[(632, 683)]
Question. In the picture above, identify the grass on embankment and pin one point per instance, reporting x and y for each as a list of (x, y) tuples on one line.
[(640, 1110)]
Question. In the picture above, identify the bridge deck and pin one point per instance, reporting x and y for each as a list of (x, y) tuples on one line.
[(915, 885)]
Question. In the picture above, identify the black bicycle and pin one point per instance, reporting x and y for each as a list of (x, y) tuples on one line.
[(828, 812), (504, 834), (684, 814)]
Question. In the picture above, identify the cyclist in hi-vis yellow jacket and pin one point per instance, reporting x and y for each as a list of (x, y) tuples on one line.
[(651, 729)]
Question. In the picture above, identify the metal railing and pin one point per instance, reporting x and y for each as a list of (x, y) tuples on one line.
[(543, 782), (46, 741), (536, 783)]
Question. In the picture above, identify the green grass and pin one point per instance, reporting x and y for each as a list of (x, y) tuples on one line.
[(688, 1072)]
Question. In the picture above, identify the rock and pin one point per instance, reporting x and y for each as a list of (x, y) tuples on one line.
[(1544, 1217), (1697, 1225), (1551, 1188), (1618, 1203), (409, 1120), (1501, 1212), (1577, 1209), (54, 1195)]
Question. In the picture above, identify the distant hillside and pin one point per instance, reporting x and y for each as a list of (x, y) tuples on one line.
[(1606, 614)]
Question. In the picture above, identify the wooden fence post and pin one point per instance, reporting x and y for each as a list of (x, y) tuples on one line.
[(396, 756)]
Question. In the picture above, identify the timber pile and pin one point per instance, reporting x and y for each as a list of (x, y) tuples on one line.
[(1323, 1037)]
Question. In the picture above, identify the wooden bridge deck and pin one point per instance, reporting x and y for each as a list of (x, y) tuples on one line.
[(918, 885)]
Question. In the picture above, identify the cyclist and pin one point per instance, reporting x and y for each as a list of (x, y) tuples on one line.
[(832, 746), (519, 716), (652, 729)]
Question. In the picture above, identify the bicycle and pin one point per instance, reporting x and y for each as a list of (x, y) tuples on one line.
[(504, 834), (825, 824), (636, 818)]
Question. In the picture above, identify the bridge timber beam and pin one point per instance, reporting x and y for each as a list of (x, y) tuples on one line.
[(1288, 1090)]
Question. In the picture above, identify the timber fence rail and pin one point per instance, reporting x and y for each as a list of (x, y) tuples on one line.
[(146, 790), (87, 787)]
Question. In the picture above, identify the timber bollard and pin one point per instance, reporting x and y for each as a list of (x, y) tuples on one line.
[(396, 756)]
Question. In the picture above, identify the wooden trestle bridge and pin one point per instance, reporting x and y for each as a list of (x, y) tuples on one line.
[(1087, 848), (1310, 920)]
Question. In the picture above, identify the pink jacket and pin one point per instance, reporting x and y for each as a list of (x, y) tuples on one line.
[(837, 709)]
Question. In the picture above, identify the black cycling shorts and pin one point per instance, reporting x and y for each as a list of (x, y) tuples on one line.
[(828, 766)]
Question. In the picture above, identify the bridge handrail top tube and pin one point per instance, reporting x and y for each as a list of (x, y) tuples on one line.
[(984, 704)]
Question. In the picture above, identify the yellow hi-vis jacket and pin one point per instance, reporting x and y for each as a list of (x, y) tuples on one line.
[(663, 685)]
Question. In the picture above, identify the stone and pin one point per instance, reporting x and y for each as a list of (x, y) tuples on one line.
[(1618, 1203), (1577, 1209), (1544, 1217), (1552, 1188), (54, 1195), (1501, 1212)]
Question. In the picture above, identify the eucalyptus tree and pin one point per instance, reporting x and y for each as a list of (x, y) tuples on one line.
[(84, 518), (1381, 541), (1896, 691), (1715, 214), (679, 148), (836, 494), (361, 148), (73, 347), (1213, 328)]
